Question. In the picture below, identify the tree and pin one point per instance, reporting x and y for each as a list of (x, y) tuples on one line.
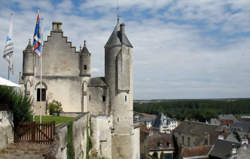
[(18, 103), (55, 107), (155, 155)]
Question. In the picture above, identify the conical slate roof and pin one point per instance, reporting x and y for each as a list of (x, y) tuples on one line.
[(116, 39), (85, 49), (29, 46)]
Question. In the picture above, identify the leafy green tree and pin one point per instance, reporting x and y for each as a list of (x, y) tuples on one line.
[(155, 155), (55, 107), (18, 103)]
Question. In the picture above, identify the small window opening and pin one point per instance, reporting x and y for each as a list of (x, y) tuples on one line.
[(89, 97), (104, 98), (85, 67), (39, 94), (125, 98)]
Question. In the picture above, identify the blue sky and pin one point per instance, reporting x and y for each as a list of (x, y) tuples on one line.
[(182, 48)]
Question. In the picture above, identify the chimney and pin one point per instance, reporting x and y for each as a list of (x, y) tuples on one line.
[(57, 26)]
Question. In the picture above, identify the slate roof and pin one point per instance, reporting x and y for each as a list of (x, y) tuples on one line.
[(97, 82), (115, 38), (195, 128), (223, 149), (29, 46), (144, 117), (85, 50), (227, 117), (244, 126)]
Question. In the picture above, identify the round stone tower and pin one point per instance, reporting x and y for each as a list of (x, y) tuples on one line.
[(85, 73), (28, 60), (85, 70), (119, 77)]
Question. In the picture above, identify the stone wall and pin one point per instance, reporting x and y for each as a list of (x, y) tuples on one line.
[(58, 148), (101, 135), (79, 135), (136, 143), (6, 128)]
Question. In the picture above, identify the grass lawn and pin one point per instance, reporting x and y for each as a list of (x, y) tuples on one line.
[(57, 119)]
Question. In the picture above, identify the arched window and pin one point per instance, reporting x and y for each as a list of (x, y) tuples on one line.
[(41, 91)]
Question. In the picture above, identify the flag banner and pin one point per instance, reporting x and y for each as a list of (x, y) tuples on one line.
[(37, 37), (9, 47)]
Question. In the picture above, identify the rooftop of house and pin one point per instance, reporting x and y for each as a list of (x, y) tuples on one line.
[(97, 81), (195, 151), (223, 148), (144, 117), (243, 126), (227, 117), (160, 142), (196, 128)]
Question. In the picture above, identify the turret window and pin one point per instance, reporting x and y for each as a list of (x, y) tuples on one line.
[(104, 98), (85, 67), (41, 97), (126, 99)]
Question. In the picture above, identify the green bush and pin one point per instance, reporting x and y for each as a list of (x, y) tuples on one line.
[(19, 104), (55, 107)]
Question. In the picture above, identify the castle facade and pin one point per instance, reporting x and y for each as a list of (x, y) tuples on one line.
[(67, 79)]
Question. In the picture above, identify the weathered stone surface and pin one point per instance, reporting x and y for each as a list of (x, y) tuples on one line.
[(58, 149), (6, 129), (109, 99), (101, 136), (79, 136)]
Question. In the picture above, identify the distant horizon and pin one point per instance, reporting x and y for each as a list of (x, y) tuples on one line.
[(194, 98)]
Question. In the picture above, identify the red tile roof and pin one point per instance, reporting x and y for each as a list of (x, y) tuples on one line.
[(195, 151)]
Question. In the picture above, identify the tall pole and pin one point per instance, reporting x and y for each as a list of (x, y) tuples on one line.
[(8, 72), (41, 71), (41, 79), (34, 81)]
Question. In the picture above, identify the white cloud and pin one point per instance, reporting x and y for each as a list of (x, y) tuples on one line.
[(171, 59)]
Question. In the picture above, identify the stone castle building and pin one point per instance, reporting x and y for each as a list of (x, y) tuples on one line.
[(67, 79)]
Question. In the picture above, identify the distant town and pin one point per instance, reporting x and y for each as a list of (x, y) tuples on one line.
[(216, 136)]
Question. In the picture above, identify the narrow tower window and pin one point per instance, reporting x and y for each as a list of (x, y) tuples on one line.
[(85, 67), (39, 94), (103, 98), (125, 98), (89, 97)]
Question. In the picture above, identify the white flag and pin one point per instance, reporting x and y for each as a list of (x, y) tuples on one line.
[(9, 47)]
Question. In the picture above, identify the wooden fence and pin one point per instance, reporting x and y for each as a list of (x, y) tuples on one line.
[(35, 132)]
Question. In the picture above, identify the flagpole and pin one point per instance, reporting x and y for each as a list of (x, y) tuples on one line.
[(41, 71), (8, 72), (34, 90)]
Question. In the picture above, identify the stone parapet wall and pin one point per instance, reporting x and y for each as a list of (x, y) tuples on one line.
[(80, 136), (58, 149), (6, 128)]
